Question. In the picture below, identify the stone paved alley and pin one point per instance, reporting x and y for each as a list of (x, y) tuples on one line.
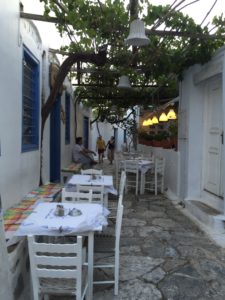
[(164, 255)]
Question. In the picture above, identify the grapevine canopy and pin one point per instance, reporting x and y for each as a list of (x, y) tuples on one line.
[(176, 43)]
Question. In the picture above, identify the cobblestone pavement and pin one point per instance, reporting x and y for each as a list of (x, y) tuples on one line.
[(164, 255)]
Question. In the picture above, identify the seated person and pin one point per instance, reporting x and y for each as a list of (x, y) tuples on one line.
[(82, 155)]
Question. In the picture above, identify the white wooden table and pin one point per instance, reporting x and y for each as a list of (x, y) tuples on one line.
[(42, 221), (144, 166)]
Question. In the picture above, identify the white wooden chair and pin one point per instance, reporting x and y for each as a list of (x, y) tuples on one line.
[(154, 179), (118, 168), (91, 172), (123, 178), (131, 169), (113, 203), (78, 196), (110, 244), (97, 192), (57, 268)]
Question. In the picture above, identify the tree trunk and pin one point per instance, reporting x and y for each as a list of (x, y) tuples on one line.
[(98, 59)]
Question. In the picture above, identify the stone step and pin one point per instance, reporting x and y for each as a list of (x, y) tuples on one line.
[(206, 214)]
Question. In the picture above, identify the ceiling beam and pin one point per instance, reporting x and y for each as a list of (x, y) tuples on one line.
[(36, 17), (180, 34), (109, 86)]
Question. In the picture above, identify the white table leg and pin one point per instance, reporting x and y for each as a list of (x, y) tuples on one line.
[(142, 187), (105, 200), (90, 264)]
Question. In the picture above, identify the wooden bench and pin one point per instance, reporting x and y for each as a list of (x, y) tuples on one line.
[(14, 216), (73, 168)]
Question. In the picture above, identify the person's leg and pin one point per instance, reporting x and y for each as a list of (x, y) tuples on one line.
[(111, 156), (99, 156), (86, 162)]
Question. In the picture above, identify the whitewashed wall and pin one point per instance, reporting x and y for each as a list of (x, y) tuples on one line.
[(191, 134), (20, 171), (17, 169), (191, 127), (9, 121)]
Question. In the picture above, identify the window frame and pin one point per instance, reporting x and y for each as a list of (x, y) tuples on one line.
[(34, 63)]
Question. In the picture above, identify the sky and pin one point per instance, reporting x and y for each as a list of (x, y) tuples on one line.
[(51, 37)]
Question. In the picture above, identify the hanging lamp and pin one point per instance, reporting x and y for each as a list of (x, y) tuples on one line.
[(171, 115), (145, 123), (163, 117), (124, 82), (155, 120), (149, 122), (137, 35)]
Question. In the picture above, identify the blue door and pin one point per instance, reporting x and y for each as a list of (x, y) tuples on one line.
[(55, 142), (85, 132)]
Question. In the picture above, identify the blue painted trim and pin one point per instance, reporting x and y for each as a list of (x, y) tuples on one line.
[(35, 64)]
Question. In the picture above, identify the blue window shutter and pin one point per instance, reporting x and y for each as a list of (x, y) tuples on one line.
[(30, 101)]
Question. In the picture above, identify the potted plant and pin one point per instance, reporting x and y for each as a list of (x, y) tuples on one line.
[(145, 138)]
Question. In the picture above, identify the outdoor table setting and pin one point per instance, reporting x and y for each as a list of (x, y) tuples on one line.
[(95, 180), (76, 219), (144, 166)]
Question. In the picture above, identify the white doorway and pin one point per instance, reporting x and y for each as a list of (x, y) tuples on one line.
[(213, 148)]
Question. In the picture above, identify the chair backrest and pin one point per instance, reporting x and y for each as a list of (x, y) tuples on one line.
[(159, 165), (118, 168), (55, 261), (119, 218), (131, 166), (97, 192), (77, 196), (122, 182), (91, 172)]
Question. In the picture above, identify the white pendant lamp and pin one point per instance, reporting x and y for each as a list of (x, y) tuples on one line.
[(124, 82), (137, 35), (171, 115), (163, 117)]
